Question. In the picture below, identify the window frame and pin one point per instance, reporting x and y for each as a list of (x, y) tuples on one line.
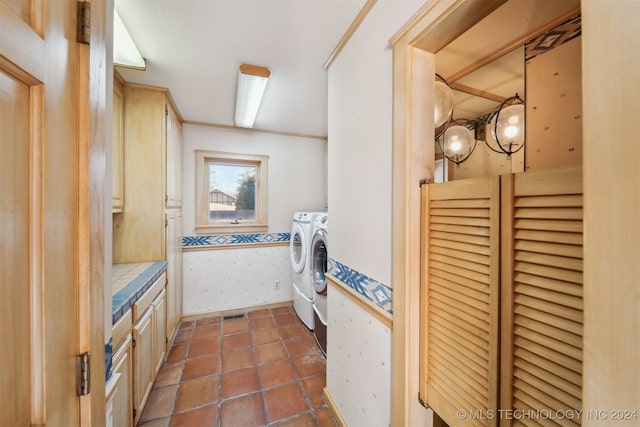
[(203, 224)]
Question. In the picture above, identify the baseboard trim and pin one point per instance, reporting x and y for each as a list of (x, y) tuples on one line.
[(331, 404), (233, 311)]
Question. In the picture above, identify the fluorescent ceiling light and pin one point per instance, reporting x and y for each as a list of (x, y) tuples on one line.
[(252, 81), (125, 52)]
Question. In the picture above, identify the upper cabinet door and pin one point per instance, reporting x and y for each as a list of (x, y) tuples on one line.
[(174, 159), (117, 147)]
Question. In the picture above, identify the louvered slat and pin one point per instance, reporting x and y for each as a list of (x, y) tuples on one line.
[(463, 282), (462, 273), (548, 225), (547, 353), (549, 376), (542, 316), (549, 284), (456, 287), (467, 265), (560, 311)]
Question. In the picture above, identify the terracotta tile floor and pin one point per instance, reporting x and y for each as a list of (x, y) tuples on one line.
[(263, 369)]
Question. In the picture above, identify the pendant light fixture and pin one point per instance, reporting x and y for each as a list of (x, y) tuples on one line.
[(505, 127), (454, 137), (458, 141), (443, 105)]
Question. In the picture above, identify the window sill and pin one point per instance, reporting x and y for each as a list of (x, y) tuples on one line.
[(232, 228)]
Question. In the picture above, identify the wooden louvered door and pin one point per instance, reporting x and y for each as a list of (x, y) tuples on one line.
[(460, 303), (542, 318)]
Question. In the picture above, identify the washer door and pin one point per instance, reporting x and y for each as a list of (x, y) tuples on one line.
[(319, 261), (297, 248)]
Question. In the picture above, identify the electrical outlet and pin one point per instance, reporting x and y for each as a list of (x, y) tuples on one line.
[(277, 284)]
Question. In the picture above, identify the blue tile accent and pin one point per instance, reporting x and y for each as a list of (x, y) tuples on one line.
[(244, 238), (108, 358), (125, 297), (370, 289), (196, 240), (234, 239)]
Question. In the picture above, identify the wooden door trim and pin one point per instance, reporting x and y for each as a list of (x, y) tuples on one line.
[(38, 385)]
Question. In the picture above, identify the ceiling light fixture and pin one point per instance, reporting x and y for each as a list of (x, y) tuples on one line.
[(505, 127), (125, 51), (252, 81)]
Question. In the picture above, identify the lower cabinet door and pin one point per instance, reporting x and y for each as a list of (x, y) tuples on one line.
[(123, 399), (160, 322), (143, 361)]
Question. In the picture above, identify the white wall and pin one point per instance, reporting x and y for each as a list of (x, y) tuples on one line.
[(224, 279), (359, 186), (218, 280), (360, 362)]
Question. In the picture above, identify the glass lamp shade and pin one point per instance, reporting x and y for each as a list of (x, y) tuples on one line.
[(458, 143), (443, 100), (508, 132)]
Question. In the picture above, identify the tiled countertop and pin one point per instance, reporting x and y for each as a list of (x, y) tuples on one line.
[(130, 281)]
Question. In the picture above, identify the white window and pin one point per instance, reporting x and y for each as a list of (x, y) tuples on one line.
[(231, 192)]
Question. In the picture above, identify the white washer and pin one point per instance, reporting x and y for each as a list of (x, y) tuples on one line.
[(299, 251), (319, 257)]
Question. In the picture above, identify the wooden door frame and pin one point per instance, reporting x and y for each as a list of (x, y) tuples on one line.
[(611, 230), (430, 29), (95, 115), (95, 89)]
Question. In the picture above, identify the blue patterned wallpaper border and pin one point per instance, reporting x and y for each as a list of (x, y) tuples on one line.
[(372, 290), (108, 359), (234, 239)]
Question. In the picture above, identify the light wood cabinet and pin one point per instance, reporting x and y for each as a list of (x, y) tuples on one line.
[(143, 363), (149, 336), (140, 337), (174, 160), (117, 146), (153, 188), (174, 270), (123, 398), (159, 330)]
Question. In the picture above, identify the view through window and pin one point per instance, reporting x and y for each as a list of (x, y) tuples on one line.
[(232, 192)]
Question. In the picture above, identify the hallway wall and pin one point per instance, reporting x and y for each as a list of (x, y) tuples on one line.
[(360, 148), (237, 275)]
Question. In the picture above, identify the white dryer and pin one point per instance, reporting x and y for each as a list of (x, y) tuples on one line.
[(299, 251), (319, 257)]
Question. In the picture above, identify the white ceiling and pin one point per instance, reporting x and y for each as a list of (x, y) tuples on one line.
[(194, 48)]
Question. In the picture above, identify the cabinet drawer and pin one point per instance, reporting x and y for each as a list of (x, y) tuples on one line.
[(139, 307), (121, 329)]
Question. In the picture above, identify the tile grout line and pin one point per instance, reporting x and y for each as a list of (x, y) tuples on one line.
[(261, 390), (311, 410)]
